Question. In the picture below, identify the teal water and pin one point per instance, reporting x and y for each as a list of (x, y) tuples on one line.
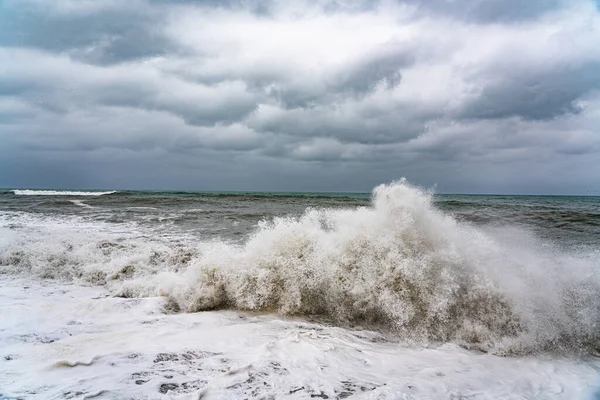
[(566, 220)]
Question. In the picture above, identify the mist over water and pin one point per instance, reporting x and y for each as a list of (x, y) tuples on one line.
[(508, 275)]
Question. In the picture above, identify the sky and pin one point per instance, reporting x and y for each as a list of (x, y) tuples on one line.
[(480, 96)]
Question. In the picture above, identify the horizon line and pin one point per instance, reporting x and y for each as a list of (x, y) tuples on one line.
[(283, 192)]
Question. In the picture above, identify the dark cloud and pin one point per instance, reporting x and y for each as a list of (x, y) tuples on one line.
[(103, 36), (358, 80), (488, 11), (533, 94), (396, 124), (59, 85)]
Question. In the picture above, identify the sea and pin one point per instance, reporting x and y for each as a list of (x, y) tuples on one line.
[(400, 293)]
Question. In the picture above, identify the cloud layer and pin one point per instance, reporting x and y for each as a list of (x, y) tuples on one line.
[(484, 96)]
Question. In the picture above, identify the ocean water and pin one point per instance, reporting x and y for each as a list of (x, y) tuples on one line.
[(395, 294)]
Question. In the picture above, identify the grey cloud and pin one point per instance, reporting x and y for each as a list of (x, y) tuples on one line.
[(384, 68), (505, 142), (107, 36), (126, 129), (59, 85), (486, 11), (358, 80), (348, 127), (202, 108), (481, 11), (533, 94)]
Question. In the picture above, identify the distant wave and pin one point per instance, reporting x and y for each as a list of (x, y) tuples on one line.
[(58, 193), (80, 203)]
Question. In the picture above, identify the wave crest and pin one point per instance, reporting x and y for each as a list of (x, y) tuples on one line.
[(27, 192)]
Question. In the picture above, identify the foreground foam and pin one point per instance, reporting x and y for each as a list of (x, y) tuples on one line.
[(117, 348)]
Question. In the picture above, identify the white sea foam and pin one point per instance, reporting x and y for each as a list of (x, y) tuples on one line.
[(64, 341), (399, 265), (27, 192)]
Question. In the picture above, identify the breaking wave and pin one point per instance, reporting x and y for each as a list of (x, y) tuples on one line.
[(399, 265), (27, 192)]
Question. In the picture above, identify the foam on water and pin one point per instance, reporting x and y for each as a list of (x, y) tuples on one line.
[(28, 192), (70, 342), (399, 265)]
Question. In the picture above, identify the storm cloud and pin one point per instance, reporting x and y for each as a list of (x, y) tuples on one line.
[(478, 96)]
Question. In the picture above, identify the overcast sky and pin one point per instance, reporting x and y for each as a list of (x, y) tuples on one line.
[(480, 96)]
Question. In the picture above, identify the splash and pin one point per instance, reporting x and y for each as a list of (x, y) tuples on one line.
[(399, 265)]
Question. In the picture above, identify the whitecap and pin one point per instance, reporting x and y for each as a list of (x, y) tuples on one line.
[(27, 192)]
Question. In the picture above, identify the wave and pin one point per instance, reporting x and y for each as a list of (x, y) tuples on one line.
[(27, 192), (399, 265), (80, 203)]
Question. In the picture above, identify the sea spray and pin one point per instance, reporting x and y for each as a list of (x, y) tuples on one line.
[(399, 265)]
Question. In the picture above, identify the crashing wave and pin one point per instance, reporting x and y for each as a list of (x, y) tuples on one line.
[(400, 265)]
